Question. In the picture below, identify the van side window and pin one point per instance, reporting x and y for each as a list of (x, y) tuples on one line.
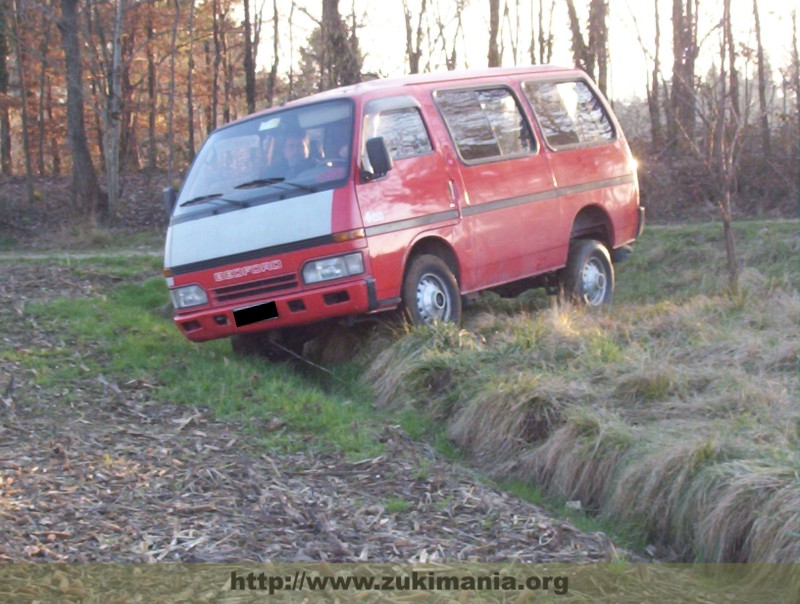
[(402, 129), (569, 113), (485, 124)]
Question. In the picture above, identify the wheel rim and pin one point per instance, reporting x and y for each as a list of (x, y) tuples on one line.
[(594, 281), (433, 299)]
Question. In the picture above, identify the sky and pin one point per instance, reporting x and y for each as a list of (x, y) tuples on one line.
[(383, 34)]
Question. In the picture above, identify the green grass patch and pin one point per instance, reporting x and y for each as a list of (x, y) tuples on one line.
[(124, 336)]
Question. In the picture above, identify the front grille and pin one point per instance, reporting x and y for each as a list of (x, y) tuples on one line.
[(255, 288)]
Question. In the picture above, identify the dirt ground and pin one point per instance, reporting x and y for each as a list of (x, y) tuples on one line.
[(97, 471)]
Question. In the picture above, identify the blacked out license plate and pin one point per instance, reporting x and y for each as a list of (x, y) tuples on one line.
[(254, 314)]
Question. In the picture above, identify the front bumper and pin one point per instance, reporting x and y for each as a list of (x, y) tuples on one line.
[(298, 308)]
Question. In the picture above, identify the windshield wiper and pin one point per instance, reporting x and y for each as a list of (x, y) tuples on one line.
[(259, 182), (195, 200), (263, 182), (215, 196)]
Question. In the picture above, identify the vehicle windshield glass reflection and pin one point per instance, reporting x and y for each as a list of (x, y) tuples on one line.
[(290, 152)]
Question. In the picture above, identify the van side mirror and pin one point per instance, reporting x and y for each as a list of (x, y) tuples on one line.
[(168, 198), (378, 156)]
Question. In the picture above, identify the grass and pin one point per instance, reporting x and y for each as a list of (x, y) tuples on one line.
[(676, 412), (672, 417), (124, 335)]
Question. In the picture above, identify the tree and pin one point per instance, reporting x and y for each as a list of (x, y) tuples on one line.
[(252, 29), (762, 86), (171, 113), (5, 122), (591, 57), (87, 196), (24, 100), (414, 39), (332, 56), (113, 113), (494, 28), (190, 145), (681, 114), (598, 40), (341, 58), (273, 72)]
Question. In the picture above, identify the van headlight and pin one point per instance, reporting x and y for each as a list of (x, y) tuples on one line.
[(333, 268), (191, 295)]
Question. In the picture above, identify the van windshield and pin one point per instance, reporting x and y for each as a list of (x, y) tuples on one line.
[(280, 154)]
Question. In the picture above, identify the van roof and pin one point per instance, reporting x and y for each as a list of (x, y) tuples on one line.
[(430, 78), (416, 79)]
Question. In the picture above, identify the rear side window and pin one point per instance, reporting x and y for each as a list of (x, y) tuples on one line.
[(569, 113), (485, 124), (401, 129)]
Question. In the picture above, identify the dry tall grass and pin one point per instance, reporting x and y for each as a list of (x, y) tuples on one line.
[(678, 416)]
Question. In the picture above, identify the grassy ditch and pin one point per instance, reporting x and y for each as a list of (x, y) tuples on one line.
[(675, 412)]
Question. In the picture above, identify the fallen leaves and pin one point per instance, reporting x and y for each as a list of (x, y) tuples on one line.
[(114, 474)]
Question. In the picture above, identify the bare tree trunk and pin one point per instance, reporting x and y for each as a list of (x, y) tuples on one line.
[(580, 52), (40, 118), (414, 44), (215, 69), (129, 114), (189, 84), (249, 61), (55, 153), (734, 76), (151, 96), (513, 30), (549, 57), (5, 121), (227, 68), (727, 133), (796, 70), (542, 42), (273, 72), (26, 145), (762, 86), (494, 27), (114, 114), (681, 116), (598, 41), (654, 94), (291, 51), (87, 195), (171, 111), (532, 47)]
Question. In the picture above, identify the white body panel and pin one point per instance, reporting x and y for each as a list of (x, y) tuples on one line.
[(239, 231)]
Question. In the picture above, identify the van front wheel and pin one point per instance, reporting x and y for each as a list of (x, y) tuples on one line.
[(430, 292), (588, 277)]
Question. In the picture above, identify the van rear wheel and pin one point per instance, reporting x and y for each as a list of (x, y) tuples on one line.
[(588, 278), (430, 292)]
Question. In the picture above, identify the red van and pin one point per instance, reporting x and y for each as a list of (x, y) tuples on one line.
[(411, 193)]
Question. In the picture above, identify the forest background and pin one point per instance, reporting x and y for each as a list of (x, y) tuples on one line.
[(105, 93)]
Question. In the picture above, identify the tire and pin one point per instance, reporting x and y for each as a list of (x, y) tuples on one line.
[(430, 292), (588, 278)]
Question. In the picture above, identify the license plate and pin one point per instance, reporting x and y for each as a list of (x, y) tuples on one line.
[(254, 314)]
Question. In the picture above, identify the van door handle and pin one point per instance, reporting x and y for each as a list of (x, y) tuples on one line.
[(453, 192)]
